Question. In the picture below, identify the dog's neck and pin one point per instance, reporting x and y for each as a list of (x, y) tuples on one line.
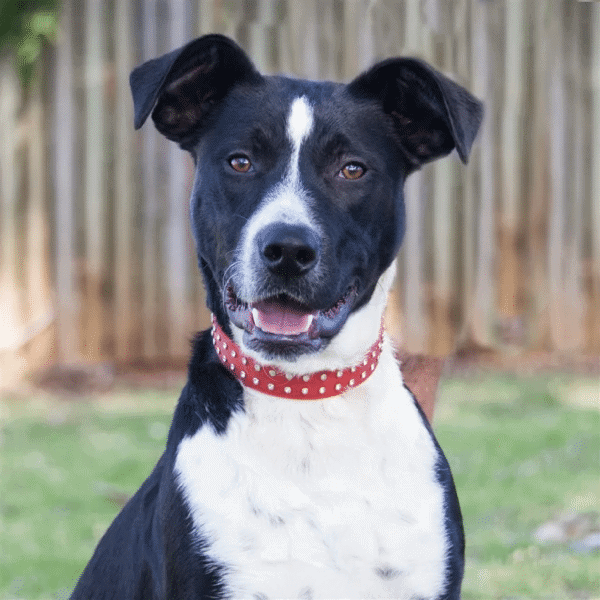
[(309, 386)]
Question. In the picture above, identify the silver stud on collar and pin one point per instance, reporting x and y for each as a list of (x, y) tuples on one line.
[(283, 384)]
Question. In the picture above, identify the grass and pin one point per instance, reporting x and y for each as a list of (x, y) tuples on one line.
[(520, 455), (66, 468), (519, 458)]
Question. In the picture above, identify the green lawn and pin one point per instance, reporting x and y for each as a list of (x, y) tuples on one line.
[(522, 451), (520, 456)]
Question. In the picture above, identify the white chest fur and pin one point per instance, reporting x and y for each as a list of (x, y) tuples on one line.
[(324, 499)]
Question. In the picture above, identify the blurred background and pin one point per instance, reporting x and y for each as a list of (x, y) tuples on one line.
[(96, 259), (500, 267)]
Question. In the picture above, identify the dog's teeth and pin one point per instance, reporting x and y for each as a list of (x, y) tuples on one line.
[(256, 317)]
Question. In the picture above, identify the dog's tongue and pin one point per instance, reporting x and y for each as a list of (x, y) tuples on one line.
[(281, 318)]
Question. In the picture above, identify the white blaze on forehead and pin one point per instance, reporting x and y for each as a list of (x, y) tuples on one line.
[(300, 121), (286, 202), (299, 125)]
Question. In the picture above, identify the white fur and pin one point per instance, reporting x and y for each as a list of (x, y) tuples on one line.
[(320, 498), (287, 202), (300, 123)]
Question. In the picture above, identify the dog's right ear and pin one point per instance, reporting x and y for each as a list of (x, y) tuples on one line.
[(184, 85)]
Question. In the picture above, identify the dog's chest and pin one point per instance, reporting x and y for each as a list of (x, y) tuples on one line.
[(332, 499)]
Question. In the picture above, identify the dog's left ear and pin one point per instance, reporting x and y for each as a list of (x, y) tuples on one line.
[(185, 85), (431, 114)]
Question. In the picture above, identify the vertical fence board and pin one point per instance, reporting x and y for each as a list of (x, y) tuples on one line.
[(512, 157), (67, 296), (558, 155), (12, 321), (537, 285), (574, 308), (443, 243), (483, 300), (594, 337), (414, 329), (467, 242), (126, 310), (94, 182), (38, 308)]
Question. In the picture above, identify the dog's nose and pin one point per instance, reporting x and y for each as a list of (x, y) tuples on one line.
[(289, 250)]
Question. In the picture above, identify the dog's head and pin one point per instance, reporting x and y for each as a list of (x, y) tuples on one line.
[(297, 205)]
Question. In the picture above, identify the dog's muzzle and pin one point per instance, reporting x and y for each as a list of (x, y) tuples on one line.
[(284, 317)]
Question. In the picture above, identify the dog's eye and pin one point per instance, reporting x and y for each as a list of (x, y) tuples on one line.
[(352, 171), (240, 163)]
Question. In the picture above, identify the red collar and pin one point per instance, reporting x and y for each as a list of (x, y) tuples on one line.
[(270, 380)]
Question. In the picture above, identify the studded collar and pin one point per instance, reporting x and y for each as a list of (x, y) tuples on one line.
[(270, 380)]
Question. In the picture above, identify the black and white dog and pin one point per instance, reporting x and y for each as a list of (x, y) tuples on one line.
[(297, 465)]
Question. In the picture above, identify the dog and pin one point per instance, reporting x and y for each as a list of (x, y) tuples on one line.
[(297, 465)]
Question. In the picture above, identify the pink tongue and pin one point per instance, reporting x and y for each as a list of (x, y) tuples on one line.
[(281, 319)]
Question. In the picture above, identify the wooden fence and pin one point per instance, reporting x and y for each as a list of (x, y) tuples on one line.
[(96, 257)]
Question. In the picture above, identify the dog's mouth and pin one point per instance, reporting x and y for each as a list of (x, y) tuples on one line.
[(281, 326)]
